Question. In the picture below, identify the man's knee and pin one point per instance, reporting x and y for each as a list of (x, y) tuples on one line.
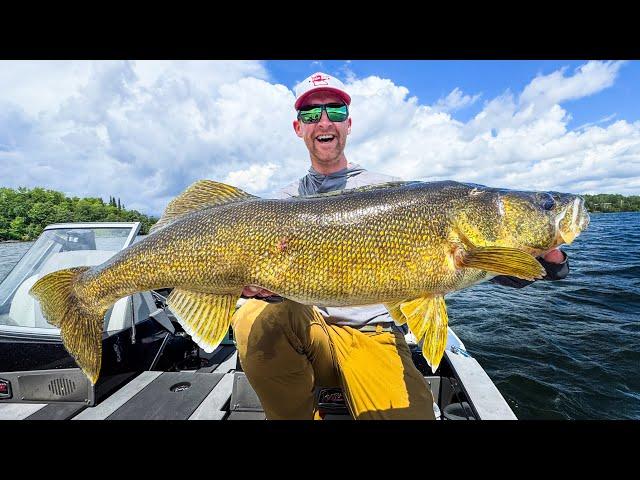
[(270, 318), (262, 328), (255, 314)]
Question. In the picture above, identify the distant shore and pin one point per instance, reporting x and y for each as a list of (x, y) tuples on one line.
[(591, 212)]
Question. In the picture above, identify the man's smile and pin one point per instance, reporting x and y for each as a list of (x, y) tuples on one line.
[(325, 138)]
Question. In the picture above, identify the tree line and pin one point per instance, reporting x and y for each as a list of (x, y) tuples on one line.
[(25, 212), (612, 202)]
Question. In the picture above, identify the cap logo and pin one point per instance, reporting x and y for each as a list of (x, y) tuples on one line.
[(319, 80)]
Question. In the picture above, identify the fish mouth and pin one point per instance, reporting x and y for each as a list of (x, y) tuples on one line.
[(572, 220)]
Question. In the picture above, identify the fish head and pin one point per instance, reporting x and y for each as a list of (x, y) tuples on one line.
[(531, 221)]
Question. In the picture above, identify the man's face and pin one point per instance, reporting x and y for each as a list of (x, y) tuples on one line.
[(326, 139)]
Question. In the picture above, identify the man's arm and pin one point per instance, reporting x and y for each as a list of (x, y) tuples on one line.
[(555, 262)]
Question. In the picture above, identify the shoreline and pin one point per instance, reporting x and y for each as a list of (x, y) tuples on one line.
[(625, 211)]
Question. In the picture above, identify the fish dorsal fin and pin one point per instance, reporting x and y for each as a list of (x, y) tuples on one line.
[(198, 196), (366, 188), (427, 318), (204, 316), (501, 260)]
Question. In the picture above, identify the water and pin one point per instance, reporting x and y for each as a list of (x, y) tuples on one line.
[(567, 349), (10, 254), (555, 350)]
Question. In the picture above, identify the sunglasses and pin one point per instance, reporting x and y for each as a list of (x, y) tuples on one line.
[(337, 112)]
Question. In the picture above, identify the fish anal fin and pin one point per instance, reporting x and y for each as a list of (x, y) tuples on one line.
[(204, 316), (414, 307), (200, 195), (428, 320)]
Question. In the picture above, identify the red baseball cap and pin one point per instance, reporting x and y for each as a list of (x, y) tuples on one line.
[(320, 82)]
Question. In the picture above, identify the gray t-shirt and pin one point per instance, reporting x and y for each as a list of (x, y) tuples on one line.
[(352, 316)]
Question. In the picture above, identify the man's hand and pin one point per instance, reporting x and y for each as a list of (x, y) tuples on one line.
[(261, 294), (554, 256)]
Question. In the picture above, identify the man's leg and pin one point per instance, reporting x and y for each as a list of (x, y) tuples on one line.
[(284, 350), (379, 378)]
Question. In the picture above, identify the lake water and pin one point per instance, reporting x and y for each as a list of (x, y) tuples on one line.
[(555, 350)]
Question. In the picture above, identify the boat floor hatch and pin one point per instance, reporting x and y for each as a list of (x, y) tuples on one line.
[(171, 396)]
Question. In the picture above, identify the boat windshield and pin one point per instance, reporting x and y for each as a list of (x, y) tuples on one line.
[(54, 250)]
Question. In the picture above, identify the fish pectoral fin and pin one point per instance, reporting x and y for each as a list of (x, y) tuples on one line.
[(199, 195), (427, 318), (502, 260), (204, 316)]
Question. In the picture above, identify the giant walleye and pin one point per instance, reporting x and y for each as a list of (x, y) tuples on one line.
[(404, 244)]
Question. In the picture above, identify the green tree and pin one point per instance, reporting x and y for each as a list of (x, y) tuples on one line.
[(24, 212), (62, 213), (607, 202), (17, 229)]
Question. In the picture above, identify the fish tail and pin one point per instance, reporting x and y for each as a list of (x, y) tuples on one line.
[(80, 326)]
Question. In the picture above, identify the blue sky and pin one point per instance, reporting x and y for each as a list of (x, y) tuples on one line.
[(430, 80), (145, 130)]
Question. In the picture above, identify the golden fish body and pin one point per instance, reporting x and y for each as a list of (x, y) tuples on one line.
[(405, 244)]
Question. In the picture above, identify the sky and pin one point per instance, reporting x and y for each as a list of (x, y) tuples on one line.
[(144, 131)]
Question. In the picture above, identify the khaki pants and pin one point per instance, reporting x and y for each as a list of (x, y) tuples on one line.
[(287, 349)]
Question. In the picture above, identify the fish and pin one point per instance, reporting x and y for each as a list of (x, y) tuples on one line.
[(402, 244)]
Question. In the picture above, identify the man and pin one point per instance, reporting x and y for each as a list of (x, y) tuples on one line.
[(287, 349)]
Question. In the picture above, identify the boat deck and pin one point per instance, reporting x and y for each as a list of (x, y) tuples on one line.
[(152, 395), (220, 392)]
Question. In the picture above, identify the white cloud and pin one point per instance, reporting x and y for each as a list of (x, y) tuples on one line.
[(143, 131), (589, 78), (37, 86), (254, 179), (456, 100), (138, 130), (346, 73)]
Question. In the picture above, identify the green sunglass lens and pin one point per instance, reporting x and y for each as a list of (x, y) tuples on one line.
[(311, 116), (337, 114)]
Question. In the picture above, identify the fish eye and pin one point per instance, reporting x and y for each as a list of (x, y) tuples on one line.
[(547, 202)]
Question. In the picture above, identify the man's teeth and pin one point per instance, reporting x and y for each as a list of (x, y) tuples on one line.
[(324, 138)]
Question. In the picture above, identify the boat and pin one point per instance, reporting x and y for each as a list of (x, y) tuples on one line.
[(151, 368)]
